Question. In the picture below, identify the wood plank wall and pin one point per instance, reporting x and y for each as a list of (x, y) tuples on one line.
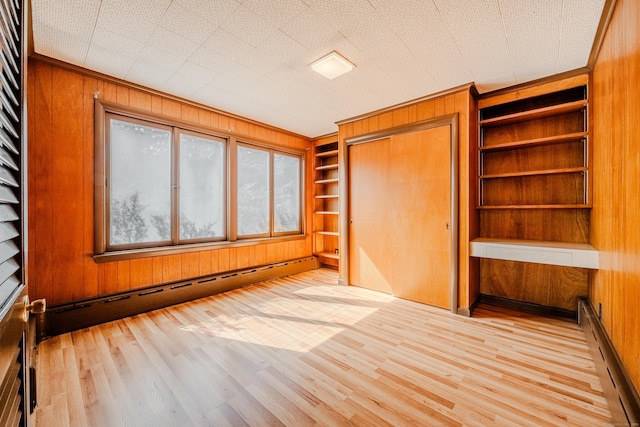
[(61, 149), (463, 103), (615, 218)]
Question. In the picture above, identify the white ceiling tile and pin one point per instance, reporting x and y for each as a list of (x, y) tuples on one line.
[(285, 50), (278, 12), (227, 44), (172, 43), (182, 86), (113, 44), (214, 12), (311, 31), (533, 34), (252, 57), (195, 72), (188, 23), (483, 44), (248, 26), (137, 19), (579, 27), (148, 74), (161, 58), (64, 17), (101, 59), (210, 60)]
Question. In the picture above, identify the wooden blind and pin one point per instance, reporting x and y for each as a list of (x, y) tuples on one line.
[(10, 157)]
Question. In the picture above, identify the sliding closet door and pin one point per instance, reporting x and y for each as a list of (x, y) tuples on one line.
[(400, 209), (369, 233)]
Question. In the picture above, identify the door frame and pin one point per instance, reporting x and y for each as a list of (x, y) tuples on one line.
[(450, 120)]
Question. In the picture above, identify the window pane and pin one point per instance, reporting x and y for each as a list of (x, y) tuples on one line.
[(286, 193), (140, 183), (201, 188), (253, 191)]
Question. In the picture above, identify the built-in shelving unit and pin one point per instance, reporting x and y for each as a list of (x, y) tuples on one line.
[(325, 215), (534, 194)]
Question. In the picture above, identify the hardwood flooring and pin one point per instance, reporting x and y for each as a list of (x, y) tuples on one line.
[(302, 351)]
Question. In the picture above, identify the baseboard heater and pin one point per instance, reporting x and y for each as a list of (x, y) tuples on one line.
[(81, 314), (621, 395)]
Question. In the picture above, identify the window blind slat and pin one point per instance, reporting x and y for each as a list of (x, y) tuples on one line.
[(7, 159), (7, 106), (7, 231), (9, 92), (7, 196), (7, 269), (10, 25), (6, 123), (8, 289), (5, 141), (8, 249), (7, 178), (13, 7), (6, 71), (7, 213)]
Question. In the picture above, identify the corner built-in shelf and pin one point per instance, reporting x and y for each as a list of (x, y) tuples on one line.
[(539, 252), (539, 113), (326, 195), (534, 192)]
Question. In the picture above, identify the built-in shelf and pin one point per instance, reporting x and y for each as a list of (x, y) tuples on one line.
[(540, 113), (327, 167), (325, 218), (327, 233), (555, 206), (534, 173), (327, 153), (539, 252), (557, 139), (330, 255), (327, 181)]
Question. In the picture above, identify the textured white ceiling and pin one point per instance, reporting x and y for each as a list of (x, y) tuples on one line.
[(251, 57)]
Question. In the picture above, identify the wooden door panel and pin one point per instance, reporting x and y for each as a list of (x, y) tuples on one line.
[(399, 208), (420, 174), (369, 235)]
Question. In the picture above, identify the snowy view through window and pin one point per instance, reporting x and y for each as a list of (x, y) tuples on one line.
[(140, 187), (140, 184)]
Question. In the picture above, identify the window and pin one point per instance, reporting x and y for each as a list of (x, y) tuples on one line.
[(268, 192), (168, 185)]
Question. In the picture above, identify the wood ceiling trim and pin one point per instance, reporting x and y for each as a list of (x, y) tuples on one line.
[(605, 18)]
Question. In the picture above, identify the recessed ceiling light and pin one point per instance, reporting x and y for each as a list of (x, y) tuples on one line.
[(332, 65)]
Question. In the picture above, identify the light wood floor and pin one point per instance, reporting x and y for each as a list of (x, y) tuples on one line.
[(304, 351)]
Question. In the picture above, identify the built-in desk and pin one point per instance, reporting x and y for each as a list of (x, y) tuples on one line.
[(540, 252)]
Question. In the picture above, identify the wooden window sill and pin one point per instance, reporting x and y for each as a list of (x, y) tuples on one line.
[(194, 247)]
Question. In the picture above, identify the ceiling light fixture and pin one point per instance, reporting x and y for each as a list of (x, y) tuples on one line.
[(332, 65)]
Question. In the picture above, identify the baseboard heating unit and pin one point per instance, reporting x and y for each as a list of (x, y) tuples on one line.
[(621, 395), (81, 314)]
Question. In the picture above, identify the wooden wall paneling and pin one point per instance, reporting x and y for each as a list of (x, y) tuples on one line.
[(110, 278), (171, 268), (223, 259), (140, 272), (123, 280), (215, 262), (67, 173), (61, 156), (616, 211), (41, 184), (536, 224), (546, 285), (157, 270), (190, 264), (204, 263), (140, 100), (90, 281)]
